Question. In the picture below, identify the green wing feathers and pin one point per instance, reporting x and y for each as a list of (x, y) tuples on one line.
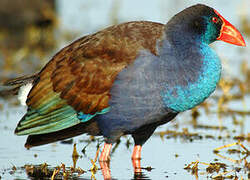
[(52, 115), (47, 111)]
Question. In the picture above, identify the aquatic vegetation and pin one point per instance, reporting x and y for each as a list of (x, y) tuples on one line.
[(218, 170)]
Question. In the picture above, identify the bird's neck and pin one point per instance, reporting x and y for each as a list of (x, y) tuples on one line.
[(178, 32), (193, 73)]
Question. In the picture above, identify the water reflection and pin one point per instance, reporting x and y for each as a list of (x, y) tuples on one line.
[(105, 167), (138, 173)]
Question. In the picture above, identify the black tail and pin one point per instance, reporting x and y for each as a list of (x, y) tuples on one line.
[(89, 127), (12, 86)]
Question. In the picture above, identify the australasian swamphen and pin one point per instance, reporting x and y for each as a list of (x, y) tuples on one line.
[(126, 79)]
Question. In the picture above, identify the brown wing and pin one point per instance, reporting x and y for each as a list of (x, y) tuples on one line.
[(83, 72)]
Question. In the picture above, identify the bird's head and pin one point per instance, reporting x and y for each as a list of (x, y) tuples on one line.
[(205, 23)]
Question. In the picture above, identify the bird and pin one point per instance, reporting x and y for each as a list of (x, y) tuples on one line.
[(126, 79)]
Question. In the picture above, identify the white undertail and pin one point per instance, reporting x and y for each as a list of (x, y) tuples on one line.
[(23, 93)]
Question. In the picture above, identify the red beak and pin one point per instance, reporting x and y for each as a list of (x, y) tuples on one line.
[(229, 33)]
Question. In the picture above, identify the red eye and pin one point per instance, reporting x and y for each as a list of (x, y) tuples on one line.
[(215, 19)]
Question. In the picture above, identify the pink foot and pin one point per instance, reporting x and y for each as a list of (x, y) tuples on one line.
[(104, 161), (136, 159), (105, 152)]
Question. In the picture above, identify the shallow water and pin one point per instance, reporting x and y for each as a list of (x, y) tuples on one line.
[(166, 154)]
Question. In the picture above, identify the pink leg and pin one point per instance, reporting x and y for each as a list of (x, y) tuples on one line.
[(105, 152), (104, 161), (136, 159), (136, 152)]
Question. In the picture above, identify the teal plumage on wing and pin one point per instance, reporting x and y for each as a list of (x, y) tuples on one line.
[(49, 118)]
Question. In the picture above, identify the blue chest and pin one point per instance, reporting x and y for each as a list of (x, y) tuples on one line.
[(184, 96)]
